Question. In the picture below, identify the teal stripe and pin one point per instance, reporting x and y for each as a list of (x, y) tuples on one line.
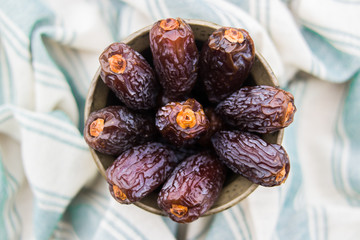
[(10, 42), (3, 199), (331, 30), (51, 193), (55, 137), (11, 209), (133, 227), (296, 215), (17, 215), (9, 77), (150, 10), (241, 231), (68, 130), (52, 85), (245, 221), (6, 119)]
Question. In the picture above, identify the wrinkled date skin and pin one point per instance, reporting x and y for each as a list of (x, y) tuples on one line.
[(182, 123), (248, 155), (114, 129), (192, 188), (129, 76), (216, 124), (225, 62), (261, 109), (175, 57), (139, 171)]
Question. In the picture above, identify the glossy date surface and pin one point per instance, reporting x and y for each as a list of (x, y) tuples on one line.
[(182, 122), (261, 109), (114, 129), (175, 57), (250, 156), (192, 188), (129, 76), (225, 62), (139, 171)]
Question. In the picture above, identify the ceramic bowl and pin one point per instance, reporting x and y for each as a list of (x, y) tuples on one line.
[(236, 187)]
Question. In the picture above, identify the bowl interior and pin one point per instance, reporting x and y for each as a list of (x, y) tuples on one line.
[(235, 187)]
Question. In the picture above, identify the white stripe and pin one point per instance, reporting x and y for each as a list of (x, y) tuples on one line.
[(224, 21), (47, 69), (345, 158), (154, 9), (59, 234), (14, 42), (112, 231), (164, 9), (5, 88), (50, 208), (43, 197), (241, 221), (19, 33), (312, 223), (110, 217), (232, 225)]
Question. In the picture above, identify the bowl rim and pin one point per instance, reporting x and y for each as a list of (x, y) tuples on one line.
[(89, 102)]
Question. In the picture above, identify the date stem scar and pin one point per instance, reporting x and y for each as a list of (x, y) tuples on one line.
[(118, 193), (233, 35), (169, 24), (186, 118), (96, 127), (289, 111), (117, 63), (178, 210), (281, 174)]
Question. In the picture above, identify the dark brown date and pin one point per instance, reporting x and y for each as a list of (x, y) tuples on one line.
[(225, 62), (175, 57), (139, 171), (250, 156), (261, 109), (182, 122), (216, 124), (129, 76), (192, 188), (114, 129)]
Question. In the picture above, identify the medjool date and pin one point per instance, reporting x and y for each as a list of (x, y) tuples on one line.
[(129, 76), (192, 188), (182, 122), (225, 62), (261, 109), (175, 57), (250, 156), (139, 171), (114, 129)]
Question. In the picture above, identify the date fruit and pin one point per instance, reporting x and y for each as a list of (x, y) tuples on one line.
[(139, 171), (114, 129), (182, 123), (175, 57), (250, 156), (261, 109), (129, 76), (192, 188), (225, 62)]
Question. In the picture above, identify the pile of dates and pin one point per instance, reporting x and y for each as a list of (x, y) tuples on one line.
[(187, 118)]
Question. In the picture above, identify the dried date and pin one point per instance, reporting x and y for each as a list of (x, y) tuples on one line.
[(261, 109), (192, 188), (225, 62), (114, 129), (175, 57), (129, 76), (250, 156), (182, 122), (139, 171)]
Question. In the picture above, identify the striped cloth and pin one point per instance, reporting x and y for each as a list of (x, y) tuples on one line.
[(50, 188)]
